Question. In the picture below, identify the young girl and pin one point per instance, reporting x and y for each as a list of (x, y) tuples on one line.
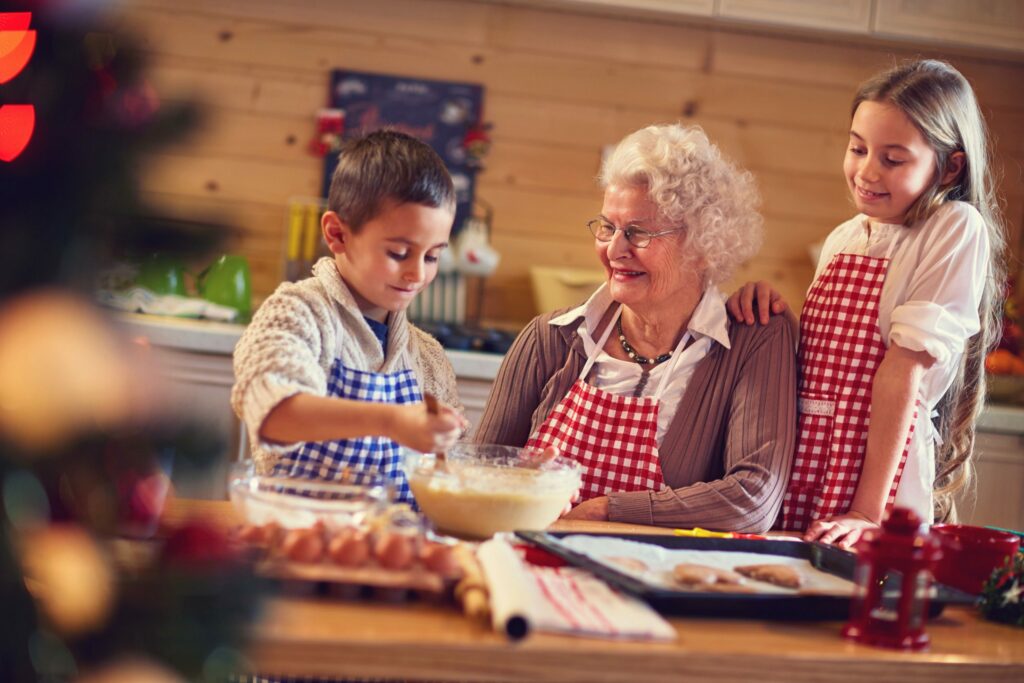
[(330, 375), (901, 313)]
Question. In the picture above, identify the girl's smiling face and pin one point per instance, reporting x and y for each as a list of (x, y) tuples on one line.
[(888, 164), (392, 257)]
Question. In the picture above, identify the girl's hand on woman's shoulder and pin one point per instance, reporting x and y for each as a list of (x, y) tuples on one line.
[(756, 297)]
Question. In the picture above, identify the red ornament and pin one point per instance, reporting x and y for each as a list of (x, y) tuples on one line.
[(477, 143), (199, 544), (892, 613), (330, 126), (16, 44), (17, 122), (141, 498)]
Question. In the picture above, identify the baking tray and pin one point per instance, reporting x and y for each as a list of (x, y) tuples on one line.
[(823, 557)]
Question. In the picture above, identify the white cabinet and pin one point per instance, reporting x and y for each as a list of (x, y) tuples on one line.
[(849, 16), (193, 362), (993, 23), (999, 500), (999, 459), (473, 393), (703, 8), (989, 25), (199, 389), (474, 374)]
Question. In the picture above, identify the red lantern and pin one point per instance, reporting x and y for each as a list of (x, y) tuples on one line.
[(892, 613)]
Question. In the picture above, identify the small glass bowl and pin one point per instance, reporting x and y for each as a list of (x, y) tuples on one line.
[(484, 488), (294, 503)]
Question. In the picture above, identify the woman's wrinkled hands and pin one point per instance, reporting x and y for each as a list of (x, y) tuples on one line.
[(550, 453), (595, 510), (413, 426), (756, 297), (841, 530)]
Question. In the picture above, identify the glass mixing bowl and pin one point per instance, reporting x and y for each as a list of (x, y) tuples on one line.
[(294, 503), (482, 489)]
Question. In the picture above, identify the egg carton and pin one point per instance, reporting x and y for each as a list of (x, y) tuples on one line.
[(347, 561)]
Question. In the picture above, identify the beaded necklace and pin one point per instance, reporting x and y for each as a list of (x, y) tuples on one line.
[(646, 364), (634, 356)]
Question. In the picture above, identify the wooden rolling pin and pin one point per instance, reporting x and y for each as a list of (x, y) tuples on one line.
[(471, 590)]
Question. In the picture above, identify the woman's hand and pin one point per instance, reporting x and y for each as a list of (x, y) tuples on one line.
[(760, 294), (841, 530), (412, 425), (548, 454), (595, 510)]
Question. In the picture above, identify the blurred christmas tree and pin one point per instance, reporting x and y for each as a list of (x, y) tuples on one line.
[(1002, 598), (82, 431)]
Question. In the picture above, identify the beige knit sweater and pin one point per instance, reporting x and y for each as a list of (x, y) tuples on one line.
[(727, 454), (299, 332)]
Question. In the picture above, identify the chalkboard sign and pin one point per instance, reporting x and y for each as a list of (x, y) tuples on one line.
[(438, 112)]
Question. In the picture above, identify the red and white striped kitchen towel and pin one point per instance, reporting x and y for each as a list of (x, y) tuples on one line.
[(564, 600)]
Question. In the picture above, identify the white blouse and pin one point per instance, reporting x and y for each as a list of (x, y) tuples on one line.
[(929, 303), (708, 324)]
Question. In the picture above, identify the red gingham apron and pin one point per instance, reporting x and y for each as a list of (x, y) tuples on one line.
[(613, 437), (840, 350)]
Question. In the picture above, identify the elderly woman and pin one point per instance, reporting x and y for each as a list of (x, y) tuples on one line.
[(679, 417)]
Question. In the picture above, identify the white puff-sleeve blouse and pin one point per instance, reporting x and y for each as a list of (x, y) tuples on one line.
[(929, 303)]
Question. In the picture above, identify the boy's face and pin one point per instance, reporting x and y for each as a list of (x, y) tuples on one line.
[(392, 257)]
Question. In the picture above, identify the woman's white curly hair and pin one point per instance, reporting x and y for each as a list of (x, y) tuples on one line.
[(693, 185)]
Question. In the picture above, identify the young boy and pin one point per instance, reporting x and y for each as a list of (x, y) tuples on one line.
[(330, 375)]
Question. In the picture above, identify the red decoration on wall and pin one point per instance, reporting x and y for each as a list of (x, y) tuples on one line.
[(17, 121), (15, 21), (15, 50)]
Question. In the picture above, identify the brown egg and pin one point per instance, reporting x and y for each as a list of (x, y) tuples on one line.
[(260, 535), (272, 533), (303, 545), (250, 533), (394, 551), (349, 548), (440, 559)]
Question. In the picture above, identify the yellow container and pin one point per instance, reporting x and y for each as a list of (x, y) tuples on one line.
[(555, 288)]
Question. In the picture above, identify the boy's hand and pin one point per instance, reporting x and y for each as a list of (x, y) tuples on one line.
[(415, 427), (760, 294)]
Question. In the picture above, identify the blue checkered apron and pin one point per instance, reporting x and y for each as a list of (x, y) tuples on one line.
[(329, 459)]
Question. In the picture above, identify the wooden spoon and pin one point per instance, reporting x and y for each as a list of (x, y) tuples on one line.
[(433, 408)]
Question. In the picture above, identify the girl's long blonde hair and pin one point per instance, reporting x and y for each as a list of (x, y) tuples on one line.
[(940, 102)]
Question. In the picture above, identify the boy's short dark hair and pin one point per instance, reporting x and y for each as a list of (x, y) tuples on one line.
[(387, 165)]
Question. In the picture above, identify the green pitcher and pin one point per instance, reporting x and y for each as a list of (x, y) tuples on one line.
[(162, 274), (227, 281)]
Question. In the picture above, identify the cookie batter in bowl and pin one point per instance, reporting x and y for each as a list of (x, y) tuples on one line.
[(485, 489)]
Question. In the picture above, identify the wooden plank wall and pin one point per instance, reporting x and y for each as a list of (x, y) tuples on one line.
[(559, 86)]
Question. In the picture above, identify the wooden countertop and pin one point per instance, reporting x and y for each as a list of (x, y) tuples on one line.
[(305, 636)]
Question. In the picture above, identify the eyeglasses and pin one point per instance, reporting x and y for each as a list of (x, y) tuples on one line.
[(604, 231)]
